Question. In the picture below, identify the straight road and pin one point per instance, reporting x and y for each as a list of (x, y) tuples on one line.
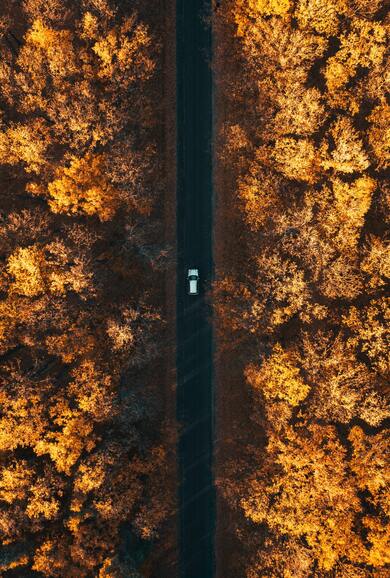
[(195, 394)]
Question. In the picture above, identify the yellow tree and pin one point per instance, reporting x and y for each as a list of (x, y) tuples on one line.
[(93, 391), (379, 134), (286, 558), (244, 11), (307, 99), (376, 262), (281, 288), (51, 268), (353, 200), (301, 111), (370, 465), (342, 279), (73, 433), (320, 15), (125, 52), (15, 480), (77, 129), (304, 491), (46, 10), (81, 188), (343, 388), (296, 159), (363, 46), (52, 557), (348, 155), (45, 496), (258, 192), (369, 461), (278, 377), (25, 266), (26, 144), (369, 327), (24, 422)]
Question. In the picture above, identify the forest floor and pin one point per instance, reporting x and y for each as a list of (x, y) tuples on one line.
[(170, 562), (164, 560), (232, 400), (227, 371)]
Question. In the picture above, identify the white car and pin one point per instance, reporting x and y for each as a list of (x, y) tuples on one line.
[(193, 280)]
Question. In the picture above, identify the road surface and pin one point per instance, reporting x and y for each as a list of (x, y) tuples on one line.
[(194, 332)]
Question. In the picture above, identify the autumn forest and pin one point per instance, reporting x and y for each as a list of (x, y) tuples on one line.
[(304, 145), (88, 436), (84, 441)]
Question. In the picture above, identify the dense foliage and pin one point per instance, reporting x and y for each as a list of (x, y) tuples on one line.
[(305, 141), (83, 443)]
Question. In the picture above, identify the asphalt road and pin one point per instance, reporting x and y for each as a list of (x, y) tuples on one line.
[(194, 332)]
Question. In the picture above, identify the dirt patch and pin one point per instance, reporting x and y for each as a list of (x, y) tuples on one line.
[(163, 562), (231, 399)]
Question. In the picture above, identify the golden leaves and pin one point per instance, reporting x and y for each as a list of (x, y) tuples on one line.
[(267, 7), (296, 159), (310, 185), (42, 501), (90, 26), (24, 423), (124, 52), (15, 480), (57, 46), (40, 269), (370, 464), (349, 155), (93, 391), (89, 478), (26, 144), (73, 343), (301, 111), (280, 282), (121, 334), (25, 266), (245, 11), (343, 388), (278, 378), (320, 15), (353, 200), (364, 45), (376, 261), (369, 327), (75, 130), (379, 134), (308, 494), (65, 446), (369, 460), (341, 279), (280, 53), (49, 558), (83, 188), (378, 535), (259, 197)]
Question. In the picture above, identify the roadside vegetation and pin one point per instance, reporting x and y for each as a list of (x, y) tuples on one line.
[(301, 301), (86, 467)]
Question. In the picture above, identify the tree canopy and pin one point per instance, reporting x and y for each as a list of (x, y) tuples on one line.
[(303, 149)]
